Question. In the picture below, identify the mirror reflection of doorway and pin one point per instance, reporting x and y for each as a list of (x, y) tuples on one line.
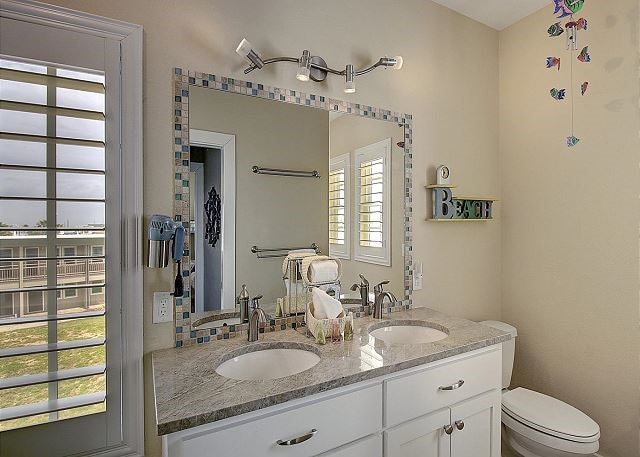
[(206, 169)]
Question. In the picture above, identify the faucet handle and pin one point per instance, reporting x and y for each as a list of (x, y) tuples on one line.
[(254, 302), (363, 280), (378, 287)]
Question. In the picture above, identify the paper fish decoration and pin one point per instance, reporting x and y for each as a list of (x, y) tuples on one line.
[(572, 141), (564, 8), (558, 94), (583, 87), (553, 62), (584, 55), (555, 30)]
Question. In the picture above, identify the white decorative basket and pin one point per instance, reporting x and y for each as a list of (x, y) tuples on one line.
[(327, 324)]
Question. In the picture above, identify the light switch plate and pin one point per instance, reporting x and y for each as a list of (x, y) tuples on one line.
[(162, 307)]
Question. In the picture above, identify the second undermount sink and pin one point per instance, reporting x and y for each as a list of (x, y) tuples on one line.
[(408, 332), (269, 361)]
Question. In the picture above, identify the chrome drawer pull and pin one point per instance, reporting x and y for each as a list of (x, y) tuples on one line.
[(455, 386), (448, 429), (459, 425), (298, 440)]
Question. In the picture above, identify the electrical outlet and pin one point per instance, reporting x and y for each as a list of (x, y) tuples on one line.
[(162, 307)]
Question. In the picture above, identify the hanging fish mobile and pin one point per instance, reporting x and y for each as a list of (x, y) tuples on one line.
[(562, 9), (566, 8), (555, 30), (558, 94), (553, 62)]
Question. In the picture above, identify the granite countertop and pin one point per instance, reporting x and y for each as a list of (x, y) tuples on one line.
[(189, 392)]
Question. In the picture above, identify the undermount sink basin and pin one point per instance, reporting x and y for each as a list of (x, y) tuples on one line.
[(408, 332), (269, 362)]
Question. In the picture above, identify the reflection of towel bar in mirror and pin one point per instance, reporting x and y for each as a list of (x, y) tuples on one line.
[(280, 252), (280, 172)]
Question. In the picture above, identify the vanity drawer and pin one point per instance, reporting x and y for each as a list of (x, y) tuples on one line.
[(337, 421), (420, 392), (369, 447)]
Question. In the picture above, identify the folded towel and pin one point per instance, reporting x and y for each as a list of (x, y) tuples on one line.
[(323, 271), (295, 255), (324, 306), (331, 271)]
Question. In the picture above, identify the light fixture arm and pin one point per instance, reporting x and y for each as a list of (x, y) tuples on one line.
[(314, 67), (379, 63)]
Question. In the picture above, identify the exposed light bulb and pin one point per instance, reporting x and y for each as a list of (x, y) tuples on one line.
[(350, 87), (303, 74), (244, 48), (304, 66), (399, 62)]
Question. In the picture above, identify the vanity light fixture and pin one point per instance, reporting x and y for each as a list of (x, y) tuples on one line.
[(314, 67), (304, 66)]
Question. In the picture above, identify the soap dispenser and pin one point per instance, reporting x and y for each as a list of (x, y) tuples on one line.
[(243, 301)]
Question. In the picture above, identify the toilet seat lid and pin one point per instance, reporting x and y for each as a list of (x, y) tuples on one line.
[(549, 415)]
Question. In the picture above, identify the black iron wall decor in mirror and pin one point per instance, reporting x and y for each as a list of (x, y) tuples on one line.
[(213, 213)]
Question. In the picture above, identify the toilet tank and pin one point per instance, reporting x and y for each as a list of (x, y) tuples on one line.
[(508, 349)]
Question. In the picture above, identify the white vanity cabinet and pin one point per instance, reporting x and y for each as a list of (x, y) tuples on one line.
[(404, 414), (471, 429)]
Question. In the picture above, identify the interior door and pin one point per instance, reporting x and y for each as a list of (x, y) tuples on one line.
[(476, 426), (422, 437)]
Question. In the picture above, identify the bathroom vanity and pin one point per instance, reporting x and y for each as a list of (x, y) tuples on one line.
[(365, 397)]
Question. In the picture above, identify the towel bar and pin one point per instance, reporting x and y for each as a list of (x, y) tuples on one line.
[(281, 172)]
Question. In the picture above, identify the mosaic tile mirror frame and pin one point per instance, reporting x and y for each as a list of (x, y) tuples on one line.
[(183, 80)]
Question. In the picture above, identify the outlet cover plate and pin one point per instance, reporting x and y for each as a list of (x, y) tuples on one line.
[(162, 307)]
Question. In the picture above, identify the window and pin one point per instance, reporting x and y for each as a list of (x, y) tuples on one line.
[(372, 178), (52, 178), (35, 302), (339, 204), (70, 158)]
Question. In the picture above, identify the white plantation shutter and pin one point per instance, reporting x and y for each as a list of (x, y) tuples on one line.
[(52, 227), (372, 176), (339, 206)]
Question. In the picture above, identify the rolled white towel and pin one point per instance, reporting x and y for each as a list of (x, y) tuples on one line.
[(325, 306), (323, 271)]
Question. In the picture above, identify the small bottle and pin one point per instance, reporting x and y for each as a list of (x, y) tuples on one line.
[(320, 334), (348, 327), (243, 301)]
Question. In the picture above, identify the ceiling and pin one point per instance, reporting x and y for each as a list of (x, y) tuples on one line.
[(497, 14)]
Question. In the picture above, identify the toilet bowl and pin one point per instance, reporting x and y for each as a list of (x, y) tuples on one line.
[(537, 425)]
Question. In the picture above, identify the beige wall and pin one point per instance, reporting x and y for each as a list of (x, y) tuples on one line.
[(449, 83), (271, 211), (570, 217), (348, 133)]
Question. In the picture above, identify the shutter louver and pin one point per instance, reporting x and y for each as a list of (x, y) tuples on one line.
[(52, 202)]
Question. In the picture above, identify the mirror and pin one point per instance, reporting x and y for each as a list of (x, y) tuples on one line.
[(266, 178)]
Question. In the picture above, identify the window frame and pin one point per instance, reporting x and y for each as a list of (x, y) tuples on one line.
[(124, 58), (343, 161), (374, 255)]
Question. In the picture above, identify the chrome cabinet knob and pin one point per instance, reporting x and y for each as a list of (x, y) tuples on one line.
[(448, 429), (459, 425)]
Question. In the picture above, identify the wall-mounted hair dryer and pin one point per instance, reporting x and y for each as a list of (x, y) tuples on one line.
[(166, 238)]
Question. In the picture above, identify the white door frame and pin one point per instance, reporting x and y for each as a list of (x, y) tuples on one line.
[(125, 431), (227, 144)]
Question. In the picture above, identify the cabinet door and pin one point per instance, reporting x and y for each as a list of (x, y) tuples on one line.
[(476, 424), (422, 437), (366, 447)]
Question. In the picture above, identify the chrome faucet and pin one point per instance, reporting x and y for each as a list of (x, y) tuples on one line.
[(364, 290), (255, 317), (380, 295)]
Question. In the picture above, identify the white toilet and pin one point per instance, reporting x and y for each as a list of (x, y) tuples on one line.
[(536, 425)]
